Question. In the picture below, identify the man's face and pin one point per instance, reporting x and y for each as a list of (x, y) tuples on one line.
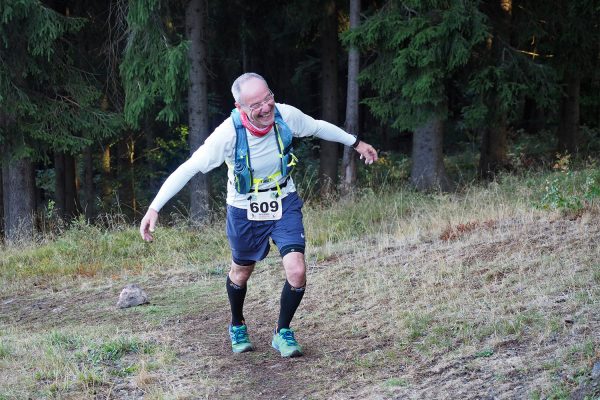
[(257, 101)]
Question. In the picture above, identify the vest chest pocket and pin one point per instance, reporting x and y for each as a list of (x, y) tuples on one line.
[(243, 177)]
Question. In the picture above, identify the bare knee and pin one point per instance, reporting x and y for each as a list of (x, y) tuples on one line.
[(295, 269), (239, 274)]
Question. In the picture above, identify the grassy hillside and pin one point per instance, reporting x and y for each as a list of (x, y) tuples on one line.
[(492, 292)]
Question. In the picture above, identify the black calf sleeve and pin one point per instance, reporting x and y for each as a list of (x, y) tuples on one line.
[(290, 300), (236, 295)]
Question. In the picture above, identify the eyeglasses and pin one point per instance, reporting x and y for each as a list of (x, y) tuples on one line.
[(259, 105)]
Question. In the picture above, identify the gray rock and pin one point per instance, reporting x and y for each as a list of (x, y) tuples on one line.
[(596, 371), (132, 295)]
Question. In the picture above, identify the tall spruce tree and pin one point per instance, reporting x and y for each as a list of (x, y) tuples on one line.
[(573, 30), (46, 104), (419, 46), (155, 65), (195, 25), (494, 135), (506, 70), (352, 98), (328, 157)]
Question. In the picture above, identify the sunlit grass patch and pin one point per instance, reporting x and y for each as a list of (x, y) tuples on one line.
[(5, 349), (177, 301), (89, 251), (395, 382), (64, 362)]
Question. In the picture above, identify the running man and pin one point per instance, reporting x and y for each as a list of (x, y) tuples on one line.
[(262, 203)]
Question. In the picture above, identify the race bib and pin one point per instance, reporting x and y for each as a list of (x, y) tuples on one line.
[(264, 206)]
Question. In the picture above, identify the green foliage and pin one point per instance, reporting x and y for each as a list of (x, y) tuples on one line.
[(495, 88), (155, 65), (391, 170), (570, 190), (419, 47), (47, 102)]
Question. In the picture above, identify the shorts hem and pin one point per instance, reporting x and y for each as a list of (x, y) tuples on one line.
[(291, 248)]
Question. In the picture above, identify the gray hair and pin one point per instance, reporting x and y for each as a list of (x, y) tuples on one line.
[(236, 87)]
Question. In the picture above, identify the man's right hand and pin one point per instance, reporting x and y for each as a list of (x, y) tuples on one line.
[(148, 224)]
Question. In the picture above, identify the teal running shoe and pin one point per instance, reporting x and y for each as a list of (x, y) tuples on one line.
[(240, 342), (285, 343)]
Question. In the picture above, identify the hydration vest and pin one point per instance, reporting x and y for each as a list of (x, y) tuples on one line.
[(244, 180)]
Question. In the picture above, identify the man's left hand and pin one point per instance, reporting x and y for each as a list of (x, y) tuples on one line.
[(367, 152)]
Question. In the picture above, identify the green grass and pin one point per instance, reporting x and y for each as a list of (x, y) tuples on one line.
[(5, 350), (62, 361), (394, 382), (168, 304), (88, 250), (400, 283)]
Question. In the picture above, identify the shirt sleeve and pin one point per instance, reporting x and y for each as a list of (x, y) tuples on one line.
[(217, 147), (303, 125)]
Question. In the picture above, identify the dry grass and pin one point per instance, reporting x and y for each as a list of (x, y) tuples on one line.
[(472, 295)]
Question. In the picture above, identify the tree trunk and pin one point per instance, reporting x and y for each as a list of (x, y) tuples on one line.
[(120, 175), (5, 203), (88, 183), (125, 176), (328, 162), (71, 201), (195, 24), (569, 137), (533, 116), (494, 140), (1, 194), (352, 117), (106, 176), (494, 148), (244, 43), (428, 171), (131, 171), (59, 185), (19, 206), (65, 185)]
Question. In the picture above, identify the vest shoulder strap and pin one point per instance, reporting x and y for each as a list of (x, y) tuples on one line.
[(241, 140), (284, 130)]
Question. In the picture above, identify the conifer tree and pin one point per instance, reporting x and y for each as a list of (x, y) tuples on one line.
[(419, 46), (155, 67), (502, 74), (573, 37), (46, 104), (161, 67)]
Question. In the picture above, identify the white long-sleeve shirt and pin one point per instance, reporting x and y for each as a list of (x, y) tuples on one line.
[(219, 147)]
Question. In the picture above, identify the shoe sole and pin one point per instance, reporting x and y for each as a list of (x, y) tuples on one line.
[(295, 353), (243, 350)]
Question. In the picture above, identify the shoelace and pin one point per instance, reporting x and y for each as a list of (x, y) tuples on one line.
[(239, 335), (288, 336)]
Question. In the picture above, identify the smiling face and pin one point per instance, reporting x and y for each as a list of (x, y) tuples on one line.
[(257, 101)]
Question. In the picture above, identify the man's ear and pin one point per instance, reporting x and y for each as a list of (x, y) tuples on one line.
[(238, 106)]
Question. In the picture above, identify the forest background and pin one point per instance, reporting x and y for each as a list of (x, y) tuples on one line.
[(101, 100), (463, 264)]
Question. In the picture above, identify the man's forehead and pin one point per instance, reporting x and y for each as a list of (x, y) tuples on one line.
[(253, 87)]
